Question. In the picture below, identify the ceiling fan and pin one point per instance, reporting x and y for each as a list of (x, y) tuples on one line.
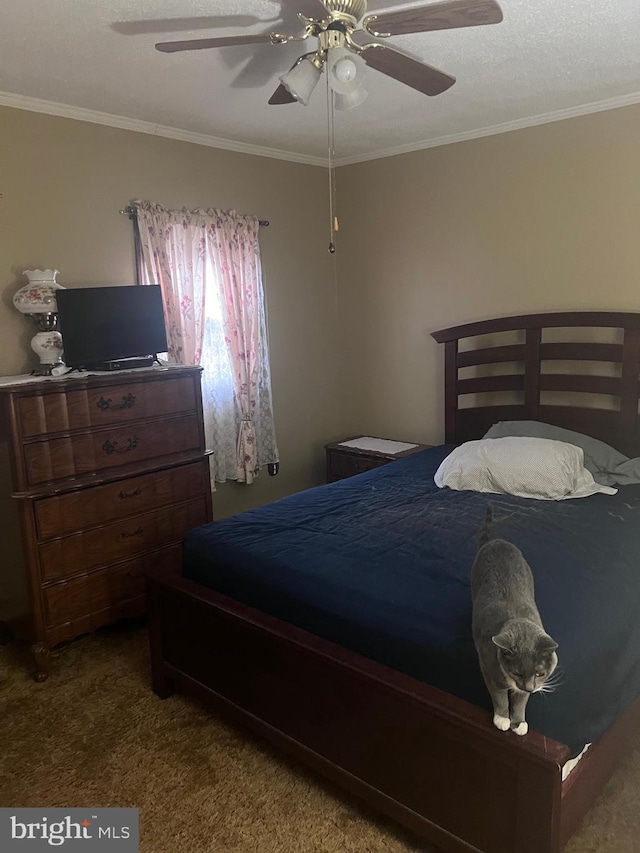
[(334, 23)]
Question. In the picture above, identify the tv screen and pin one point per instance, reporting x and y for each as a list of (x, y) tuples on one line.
[(101, 324)]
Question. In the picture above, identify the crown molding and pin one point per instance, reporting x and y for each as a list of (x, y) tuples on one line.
[(493, 130), (23, 102)]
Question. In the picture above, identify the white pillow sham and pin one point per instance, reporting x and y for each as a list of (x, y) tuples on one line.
[(608, 466), (526, 467)]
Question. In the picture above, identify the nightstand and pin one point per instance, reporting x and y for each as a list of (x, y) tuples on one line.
[(362, 453)]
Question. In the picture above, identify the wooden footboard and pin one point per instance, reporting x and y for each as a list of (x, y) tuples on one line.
[(425, 758)]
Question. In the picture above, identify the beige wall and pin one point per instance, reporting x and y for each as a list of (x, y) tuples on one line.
[(542, 219), (63, 183), (546, 218)]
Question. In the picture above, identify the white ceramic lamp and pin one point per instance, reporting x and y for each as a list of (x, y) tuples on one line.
[(37, 300)]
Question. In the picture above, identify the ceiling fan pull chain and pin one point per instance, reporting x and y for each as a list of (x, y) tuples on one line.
[(333, 219)]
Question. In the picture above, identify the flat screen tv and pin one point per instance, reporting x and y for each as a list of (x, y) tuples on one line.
[(101, 325)]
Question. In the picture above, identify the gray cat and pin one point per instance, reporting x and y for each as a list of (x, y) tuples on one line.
[(516, 655)]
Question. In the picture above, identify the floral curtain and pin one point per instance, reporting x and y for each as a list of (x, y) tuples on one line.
[(207, 263)]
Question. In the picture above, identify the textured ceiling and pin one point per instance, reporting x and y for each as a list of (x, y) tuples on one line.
[(546, 56)]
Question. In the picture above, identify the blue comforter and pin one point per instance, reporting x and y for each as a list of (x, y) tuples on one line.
[(380, 563)]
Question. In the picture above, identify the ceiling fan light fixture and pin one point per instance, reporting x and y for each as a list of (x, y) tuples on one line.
[(302, 79), (345, 70), (350, 100)]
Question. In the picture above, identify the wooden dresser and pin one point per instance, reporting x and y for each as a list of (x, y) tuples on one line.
[(101, 477)]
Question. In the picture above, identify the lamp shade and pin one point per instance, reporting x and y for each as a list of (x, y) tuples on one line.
[(350, 100), (39, 295), (346, 71), (302, 80)]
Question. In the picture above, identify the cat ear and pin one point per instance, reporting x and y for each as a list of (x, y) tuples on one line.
[(546, 644), (502, 642)]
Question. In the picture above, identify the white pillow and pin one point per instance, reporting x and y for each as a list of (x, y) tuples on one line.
[(527, 467)]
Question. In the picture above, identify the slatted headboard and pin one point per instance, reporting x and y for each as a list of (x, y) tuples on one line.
[(619, 425)]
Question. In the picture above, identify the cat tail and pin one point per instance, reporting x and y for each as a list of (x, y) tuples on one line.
[(483, 532)]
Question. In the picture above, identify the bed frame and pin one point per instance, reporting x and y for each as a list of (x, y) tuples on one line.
[(423, 757)]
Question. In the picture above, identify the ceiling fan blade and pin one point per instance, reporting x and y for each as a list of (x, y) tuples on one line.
[(437, 16), (282, 96), (174, 25), (204, 44), (311, 9), (407, 70)]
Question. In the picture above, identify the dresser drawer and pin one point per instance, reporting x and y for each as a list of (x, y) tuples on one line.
[(343, 465), (74, 511), (84, 408), (65, 631), (88, 594), (84, 453), (363, 464), (81, 552)]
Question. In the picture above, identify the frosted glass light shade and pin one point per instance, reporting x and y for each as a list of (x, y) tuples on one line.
[(302, 80), (346, 71), (350, 100)]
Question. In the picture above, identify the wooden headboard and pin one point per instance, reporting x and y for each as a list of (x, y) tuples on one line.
[(619, 425)]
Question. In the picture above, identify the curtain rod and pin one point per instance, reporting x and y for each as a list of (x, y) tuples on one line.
[(130, 212)]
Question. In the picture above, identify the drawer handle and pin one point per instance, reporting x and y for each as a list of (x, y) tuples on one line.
[(135, 494), (110, 447), (127, 535), (128, 402)]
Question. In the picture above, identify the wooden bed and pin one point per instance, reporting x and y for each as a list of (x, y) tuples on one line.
[(431, 761)]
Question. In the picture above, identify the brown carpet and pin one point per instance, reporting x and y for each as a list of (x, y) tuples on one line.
[(95, 735)]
